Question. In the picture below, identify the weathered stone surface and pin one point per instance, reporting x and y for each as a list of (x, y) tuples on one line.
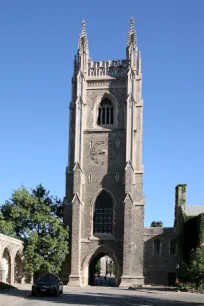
[(109, 157)]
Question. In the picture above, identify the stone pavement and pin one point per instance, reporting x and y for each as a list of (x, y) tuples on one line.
[(103, 296)]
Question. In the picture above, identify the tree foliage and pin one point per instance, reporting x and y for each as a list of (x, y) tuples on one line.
[(98, 267), (156, 224), (193, 271), (111, 268), (6, 227), (36, 218)]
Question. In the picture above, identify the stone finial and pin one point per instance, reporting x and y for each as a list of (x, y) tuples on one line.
[(79, 41), (131, 33), (83, 40), (83, 30), (132, 24)]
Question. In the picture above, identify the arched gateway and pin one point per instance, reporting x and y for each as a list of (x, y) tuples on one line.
[(104, 203), (91, 260)]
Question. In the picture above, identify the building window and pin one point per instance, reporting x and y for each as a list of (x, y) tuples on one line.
[(105, 113), (118, 143), (90, 177), (173, 247), (157, 247), (117, 177), (103, 214)]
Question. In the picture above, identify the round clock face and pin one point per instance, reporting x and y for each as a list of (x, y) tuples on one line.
[(99, 152)]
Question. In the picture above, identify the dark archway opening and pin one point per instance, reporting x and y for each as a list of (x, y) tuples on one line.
[(102, 270)]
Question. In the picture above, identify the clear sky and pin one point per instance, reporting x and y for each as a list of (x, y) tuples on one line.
[(38, 40)]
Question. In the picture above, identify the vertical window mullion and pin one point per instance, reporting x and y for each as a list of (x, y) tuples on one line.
[(103, 115), (105, 109), (99, 116), (111, 119)]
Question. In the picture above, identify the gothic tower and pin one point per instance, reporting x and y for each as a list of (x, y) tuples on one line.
[(104, 203)]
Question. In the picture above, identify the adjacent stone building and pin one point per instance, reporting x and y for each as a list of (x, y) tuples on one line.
[(104, 201), (11, 265)]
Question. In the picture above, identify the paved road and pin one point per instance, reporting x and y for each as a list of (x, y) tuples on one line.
[(106, 297)]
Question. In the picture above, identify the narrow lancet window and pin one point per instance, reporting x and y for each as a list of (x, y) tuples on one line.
[(157, 247), (173, 247)]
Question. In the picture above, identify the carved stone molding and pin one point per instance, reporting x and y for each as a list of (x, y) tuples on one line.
[(106, 84)]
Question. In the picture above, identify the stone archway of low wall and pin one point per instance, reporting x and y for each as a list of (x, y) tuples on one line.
[(89, 258), (6, 266)]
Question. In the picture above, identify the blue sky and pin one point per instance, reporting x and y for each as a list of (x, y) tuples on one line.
[(38, 40)]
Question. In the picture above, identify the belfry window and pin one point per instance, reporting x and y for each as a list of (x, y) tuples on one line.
[(105, 113), (103, 214)]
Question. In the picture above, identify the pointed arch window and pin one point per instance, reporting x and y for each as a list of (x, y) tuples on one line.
[(103, 214), (105, 113)]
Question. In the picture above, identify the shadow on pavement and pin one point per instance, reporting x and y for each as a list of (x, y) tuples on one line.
[(96, 298), (16, 292)]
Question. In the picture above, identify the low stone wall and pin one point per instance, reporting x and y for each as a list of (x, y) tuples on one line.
[(11, 264)]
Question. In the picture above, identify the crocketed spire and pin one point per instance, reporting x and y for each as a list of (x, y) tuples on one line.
[(131, 33), (83, 40)]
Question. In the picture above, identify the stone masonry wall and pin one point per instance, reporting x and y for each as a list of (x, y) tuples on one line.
[(157, 267)]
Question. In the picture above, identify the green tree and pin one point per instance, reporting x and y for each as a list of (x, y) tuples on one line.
[(111, 267), (156, 224), (6, 227), (98, 267), (37, 220), (193, 271)]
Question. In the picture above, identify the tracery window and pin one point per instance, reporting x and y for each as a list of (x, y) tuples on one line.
[(103, 214), (105, 113)]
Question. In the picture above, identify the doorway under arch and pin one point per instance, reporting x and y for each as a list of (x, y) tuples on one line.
[(89, 266)]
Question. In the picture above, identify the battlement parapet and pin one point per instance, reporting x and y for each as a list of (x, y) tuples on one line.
[(114, 67)]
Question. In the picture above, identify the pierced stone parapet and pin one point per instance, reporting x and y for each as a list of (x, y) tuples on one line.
[(115, 67)]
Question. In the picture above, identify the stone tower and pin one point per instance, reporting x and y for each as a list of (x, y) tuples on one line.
[(104, 203)]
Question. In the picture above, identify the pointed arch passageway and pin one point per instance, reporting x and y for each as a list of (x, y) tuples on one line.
[(91, 272)]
